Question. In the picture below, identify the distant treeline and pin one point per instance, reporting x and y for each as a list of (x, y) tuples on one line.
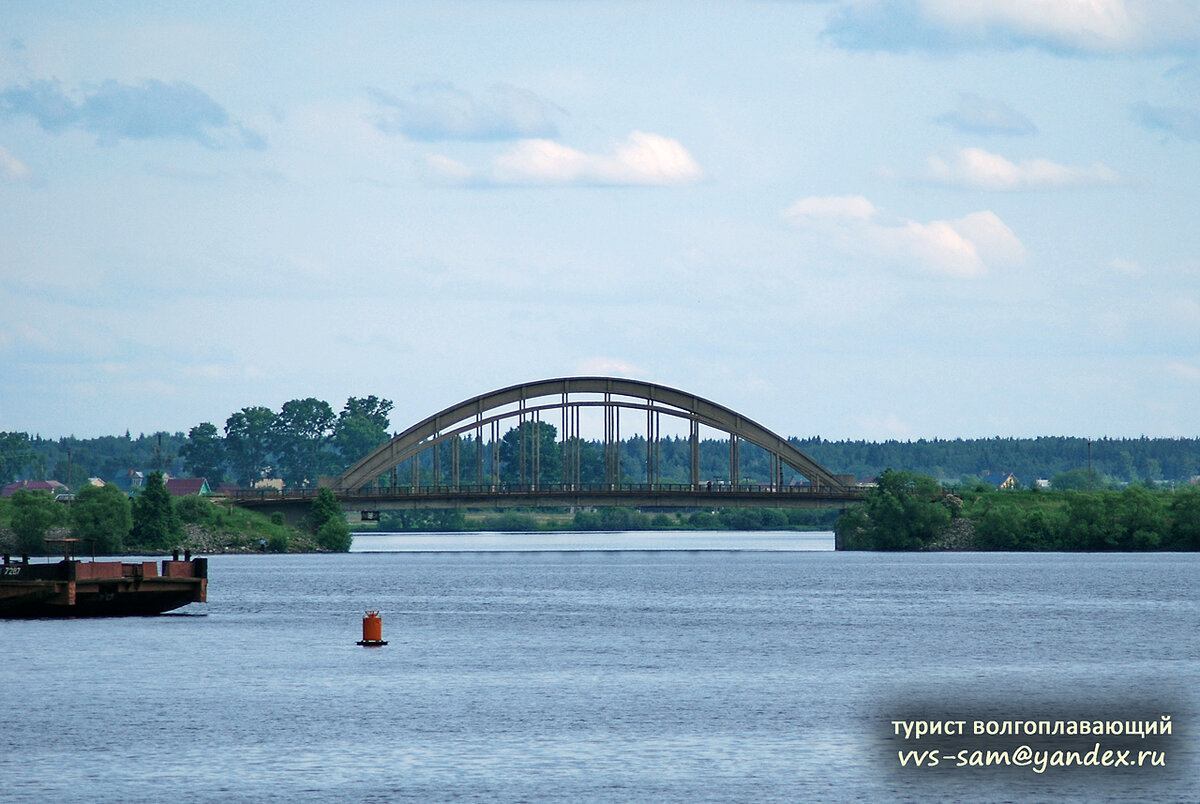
[(1114, 460), (306, 439), (907, 511)]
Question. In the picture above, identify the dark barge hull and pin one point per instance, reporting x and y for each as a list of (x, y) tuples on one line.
[(100, 588)]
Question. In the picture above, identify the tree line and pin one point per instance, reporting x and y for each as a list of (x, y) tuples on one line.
[(306, 439), (909, 511), (113, 521), (104, 517), (301, 441)]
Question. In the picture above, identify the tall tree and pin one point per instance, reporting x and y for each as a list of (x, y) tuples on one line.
[(101, 513), (34, 513), (155, 523), (16, 455), (204, 453), (249, 438), (361, 427), (904, 512), (303, 431), (518, 448), (329, 523)]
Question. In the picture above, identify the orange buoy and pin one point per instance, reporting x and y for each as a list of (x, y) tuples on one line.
[(372, 630)]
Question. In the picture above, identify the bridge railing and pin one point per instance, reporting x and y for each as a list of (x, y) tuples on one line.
[(518, 489)]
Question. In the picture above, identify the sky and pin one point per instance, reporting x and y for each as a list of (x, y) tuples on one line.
[(853, 219)]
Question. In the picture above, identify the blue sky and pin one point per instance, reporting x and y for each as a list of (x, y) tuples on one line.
[(853, 219)]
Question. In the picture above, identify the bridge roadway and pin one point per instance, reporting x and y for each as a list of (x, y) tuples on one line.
[(294, 503)]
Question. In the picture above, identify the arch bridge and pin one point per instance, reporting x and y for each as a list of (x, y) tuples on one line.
[(545, 475)]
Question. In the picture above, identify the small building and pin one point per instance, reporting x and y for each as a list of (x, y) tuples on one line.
[(52, 486), (1000, 480), (183, 486)]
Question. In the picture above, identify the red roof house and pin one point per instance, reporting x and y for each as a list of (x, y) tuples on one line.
[(52, 486), (183, 486)]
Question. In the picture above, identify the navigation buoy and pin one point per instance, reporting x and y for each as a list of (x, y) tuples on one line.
[(372, 630)]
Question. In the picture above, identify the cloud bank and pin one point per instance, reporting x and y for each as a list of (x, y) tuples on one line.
[(965, 248), (439, 111), (641, 159), (1075, 27), (114, 111)]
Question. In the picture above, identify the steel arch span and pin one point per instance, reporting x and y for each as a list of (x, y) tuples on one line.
[(528, 402)]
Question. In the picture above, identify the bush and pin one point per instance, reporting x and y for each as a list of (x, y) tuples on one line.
[(515, 521), (335, 536), (195, 510)]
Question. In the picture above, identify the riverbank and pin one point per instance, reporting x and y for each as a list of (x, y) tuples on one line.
[(912, 512)]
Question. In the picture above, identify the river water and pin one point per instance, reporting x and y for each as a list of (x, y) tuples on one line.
[(738, 667)]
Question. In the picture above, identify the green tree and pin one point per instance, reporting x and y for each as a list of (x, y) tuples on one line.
[(33, 514), (335, 536), (1185, 520), (328, 523), (1077, 480), (102, 513), (1142, 517), (16, 455), (194, 509), (204, 453), (249, 440), (155, 523), (905, 511), (361, 427), (1001, 528), (1091, 522), (518, 448), (303, 431)]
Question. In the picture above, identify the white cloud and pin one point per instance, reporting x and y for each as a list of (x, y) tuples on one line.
[(12, 168), (979, 169), (642, 159), (1106, 27), (963, 248)]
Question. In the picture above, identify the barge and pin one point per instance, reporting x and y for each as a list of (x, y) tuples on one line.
[(73, 588)]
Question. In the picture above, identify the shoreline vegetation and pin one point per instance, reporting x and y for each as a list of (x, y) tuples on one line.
[(906, 511), (902, 511), (974, 494), (108, 520)]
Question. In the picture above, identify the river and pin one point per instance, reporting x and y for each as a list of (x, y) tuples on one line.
[(673, 667)]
